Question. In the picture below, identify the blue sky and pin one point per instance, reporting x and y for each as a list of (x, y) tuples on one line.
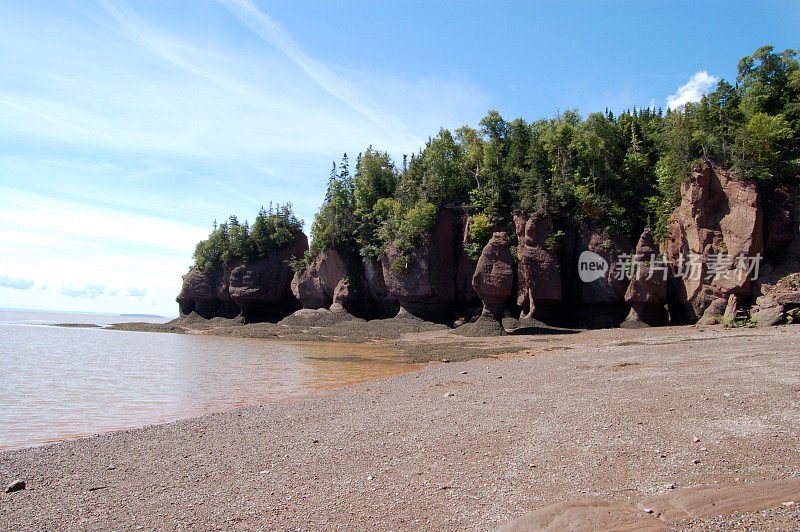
[(126, 128)]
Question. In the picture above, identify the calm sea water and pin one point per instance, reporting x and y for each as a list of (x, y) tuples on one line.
[(58, 383)]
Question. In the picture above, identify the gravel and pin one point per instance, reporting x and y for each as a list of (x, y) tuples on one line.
[(609, 414)]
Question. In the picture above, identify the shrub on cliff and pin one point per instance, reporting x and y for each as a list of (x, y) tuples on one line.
[(614, 173), (275, 228)]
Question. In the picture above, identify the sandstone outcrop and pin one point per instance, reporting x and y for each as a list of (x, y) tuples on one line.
[(722, 225), (539, 275), (206, 294), (781, 301), (781, 243), (258, 290), (423, 281), (493, 280), (647, 290), (719, 220), (314, 285)]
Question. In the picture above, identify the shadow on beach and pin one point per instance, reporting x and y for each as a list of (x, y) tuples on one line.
[(542, 330)]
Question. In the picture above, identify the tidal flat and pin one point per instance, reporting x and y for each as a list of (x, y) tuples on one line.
[(622, 416)]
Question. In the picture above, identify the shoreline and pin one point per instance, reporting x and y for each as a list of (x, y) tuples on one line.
[(378, 352), (609, 414), (420, 341)]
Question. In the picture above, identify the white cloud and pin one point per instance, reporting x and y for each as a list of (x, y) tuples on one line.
[(88, 257), (129, 291), (692, 90), (15, 283), (89, 291), (38, 220)]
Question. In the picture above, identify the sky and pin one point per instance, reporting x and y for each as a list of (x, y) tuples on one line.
[(127, 128)]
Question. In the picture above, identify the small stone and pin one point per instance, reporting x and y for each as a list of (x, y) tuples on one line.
[(370, 477), (703, 449), (696, 440), (314, 441), (648, 510), (17, 485), (110, 468), (463, 372), (726, 394), (788, 503), (696, 461), (449, 394), (670, 486), (445, 360)]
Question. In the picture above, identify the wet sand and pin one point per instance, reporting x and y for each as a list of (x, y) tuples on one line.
[(623, 416)]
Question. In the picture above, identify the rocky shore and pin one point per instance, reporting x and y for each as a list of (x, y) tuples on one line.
[(730, 254), (637, 418)]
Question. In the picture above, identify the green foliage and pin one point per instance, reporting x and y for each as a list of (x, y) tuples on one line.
[(553, 240), (417, 223), (231, 241), (480, 231), (613, 172), (375, 179), (336, 225), (400, 264)]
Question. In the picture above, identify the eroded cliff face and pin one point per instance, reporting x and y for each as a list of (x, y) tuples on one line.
[(647, 290), (493, 279), (258, 290), (315, 284), (601, 302), (538, 270), (423, 281), (207, 294), (466, 298), (719, 216)]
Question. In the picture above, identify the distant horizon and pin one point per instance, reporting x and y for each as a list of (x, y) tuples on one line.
[(86, 313)]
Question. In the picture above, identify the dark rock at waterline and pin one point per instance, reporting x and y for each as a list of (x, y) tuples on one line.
[(484, 326), (320, 317), (257, 290)]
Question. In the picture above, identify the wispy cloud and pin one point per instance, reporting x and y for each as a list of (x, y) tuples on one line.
[(336, 85), (127, 130), (692, 90), (121, 84), (17, 284), (88, 291), (25, 216), (129, 292)]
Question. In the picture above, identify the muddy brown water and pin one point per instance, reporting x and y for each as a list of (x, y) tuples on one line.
[(64, 382)]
